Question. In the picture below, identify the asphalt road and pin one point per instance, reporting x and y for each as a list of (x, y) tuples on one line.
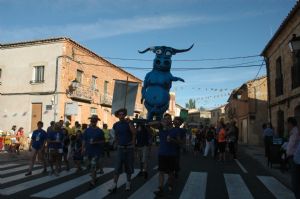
[(199, 178)]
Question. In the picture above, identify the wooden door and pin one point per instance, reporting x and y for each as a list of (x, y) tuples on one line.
[(36, 114)]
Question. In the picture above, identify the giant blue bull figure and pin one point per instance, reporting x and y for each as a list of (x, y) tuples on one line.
[(158, 82)]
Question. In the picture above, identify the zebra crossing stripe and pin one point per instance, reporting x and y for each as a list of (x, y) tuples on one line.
[(20, 176), (146, 191), (236, 187), (195, 186), (32, 183), (276, 188), (66, 186), (16, 169), (102, 190), (8, 165)]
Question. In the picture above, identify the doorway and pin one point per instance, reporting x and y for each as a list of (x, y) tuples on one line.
[(36, 114)]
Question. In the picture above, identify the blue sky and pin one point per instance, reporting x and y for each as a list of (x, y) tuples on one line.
[(218, 28)]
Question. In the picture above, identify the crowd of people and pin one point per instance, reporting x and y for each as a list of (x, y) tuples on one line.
[(289, 152), (85, 146)]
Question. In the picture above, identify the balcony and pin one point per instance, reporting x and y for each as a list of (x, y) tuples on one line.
[(106, 100), (82, 93)]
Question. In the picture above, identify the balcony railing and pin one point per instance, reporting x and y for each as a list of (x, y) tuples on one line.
[(106, 100), (83, 93)]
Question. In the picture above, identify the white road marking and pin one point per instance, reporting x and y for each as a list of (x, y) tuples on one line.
[(241, 166), (66, 186), (276, 188), (20, 176), (33, 183), (8, 165), (195, 187), (146, 191), (236, 187), (102, 190), (16, 169)]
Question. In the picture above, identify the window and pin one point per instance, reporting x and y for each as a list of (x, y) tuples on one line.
[(79, 76), (295, 73), (105, 87), (279, 78), (93, 111), (280, 123), (94, 83), (38, 74)]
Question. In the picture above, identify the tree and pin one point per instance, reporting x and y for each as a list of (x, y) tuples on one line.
[(191, 104)]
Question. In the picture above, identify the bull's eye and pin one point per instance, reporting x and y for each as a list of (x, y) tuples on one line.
[(158, 51), (168, 53)]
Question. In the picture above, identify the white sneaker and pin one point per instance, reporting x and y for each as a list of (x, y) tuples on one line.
[(127, 186)]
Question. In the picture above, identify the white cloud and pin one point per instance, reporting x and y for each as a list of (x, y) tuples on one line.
[(106, 27)]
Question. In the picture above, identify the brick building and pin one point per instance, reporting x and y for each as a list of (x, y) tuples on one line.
[(283, 71), (248, 106), (37, 78)]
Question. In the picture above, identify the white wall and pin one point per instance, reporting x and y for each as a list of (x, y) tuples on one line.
[(17, 71)]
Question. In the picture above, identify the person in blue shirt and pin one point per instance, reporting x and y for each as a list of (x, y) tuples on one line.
[(125, 138), (93, 138), (143, 137), (37, 144), (55, 147), (268, 134), (76, 149), (181, 133), (168, 152)]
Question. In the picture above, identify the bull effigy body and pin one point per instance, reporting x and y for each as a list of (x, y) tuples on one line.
[(158, 82)]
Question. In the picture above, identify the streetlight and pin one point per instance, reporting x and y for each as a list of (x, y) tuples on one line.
[(294, 44), (74, 84)]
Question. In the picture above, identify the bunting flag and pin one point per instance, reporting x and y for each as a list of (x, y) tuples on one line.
[(124, 96)]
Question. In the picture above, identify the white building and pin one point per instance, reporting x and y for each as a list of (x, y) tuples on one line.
[(25, 94)]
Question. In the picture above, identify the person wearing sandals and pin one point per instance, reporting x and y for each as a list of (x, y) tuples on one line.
[(93, 138), (167, 153), (125, 134), (37, 144)]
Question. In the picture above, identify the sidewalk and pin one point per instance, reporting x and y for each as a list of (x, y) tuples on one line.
[(13, 157), (258, 154)]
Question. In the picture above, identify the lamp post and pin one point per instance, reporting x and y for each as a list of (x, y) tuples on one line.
[(74, 84), (294, 44)]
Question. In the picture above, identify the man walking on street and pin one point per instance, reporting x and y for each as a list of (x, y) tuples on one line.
[(92, 140), (125, 138), (37, 144)]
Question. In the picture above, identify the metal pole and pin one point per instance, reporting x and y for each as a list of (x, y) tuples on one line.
[(125, 101)]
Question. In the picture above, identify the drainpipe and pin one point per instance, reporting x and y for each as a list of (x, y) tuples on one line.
[(269, 93)]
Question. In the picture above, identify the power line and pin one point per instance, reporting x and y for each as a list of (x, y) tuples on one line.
[(179, 60), (196, 68)]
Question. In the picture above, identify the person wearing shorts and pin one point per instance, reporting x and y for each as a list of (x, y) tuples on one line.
[(93, 138), (55, 147), (143, 137), (125, 139), (37, 144), (167, 153)]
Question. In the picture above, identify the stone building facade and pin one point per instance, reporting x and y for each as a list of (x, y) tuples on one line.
[(37, 78), (248, 107), (283, 71)]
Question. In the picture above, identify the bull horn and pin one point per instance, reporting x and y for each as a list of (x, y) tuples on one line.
[(146, 50), (182, 50)]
